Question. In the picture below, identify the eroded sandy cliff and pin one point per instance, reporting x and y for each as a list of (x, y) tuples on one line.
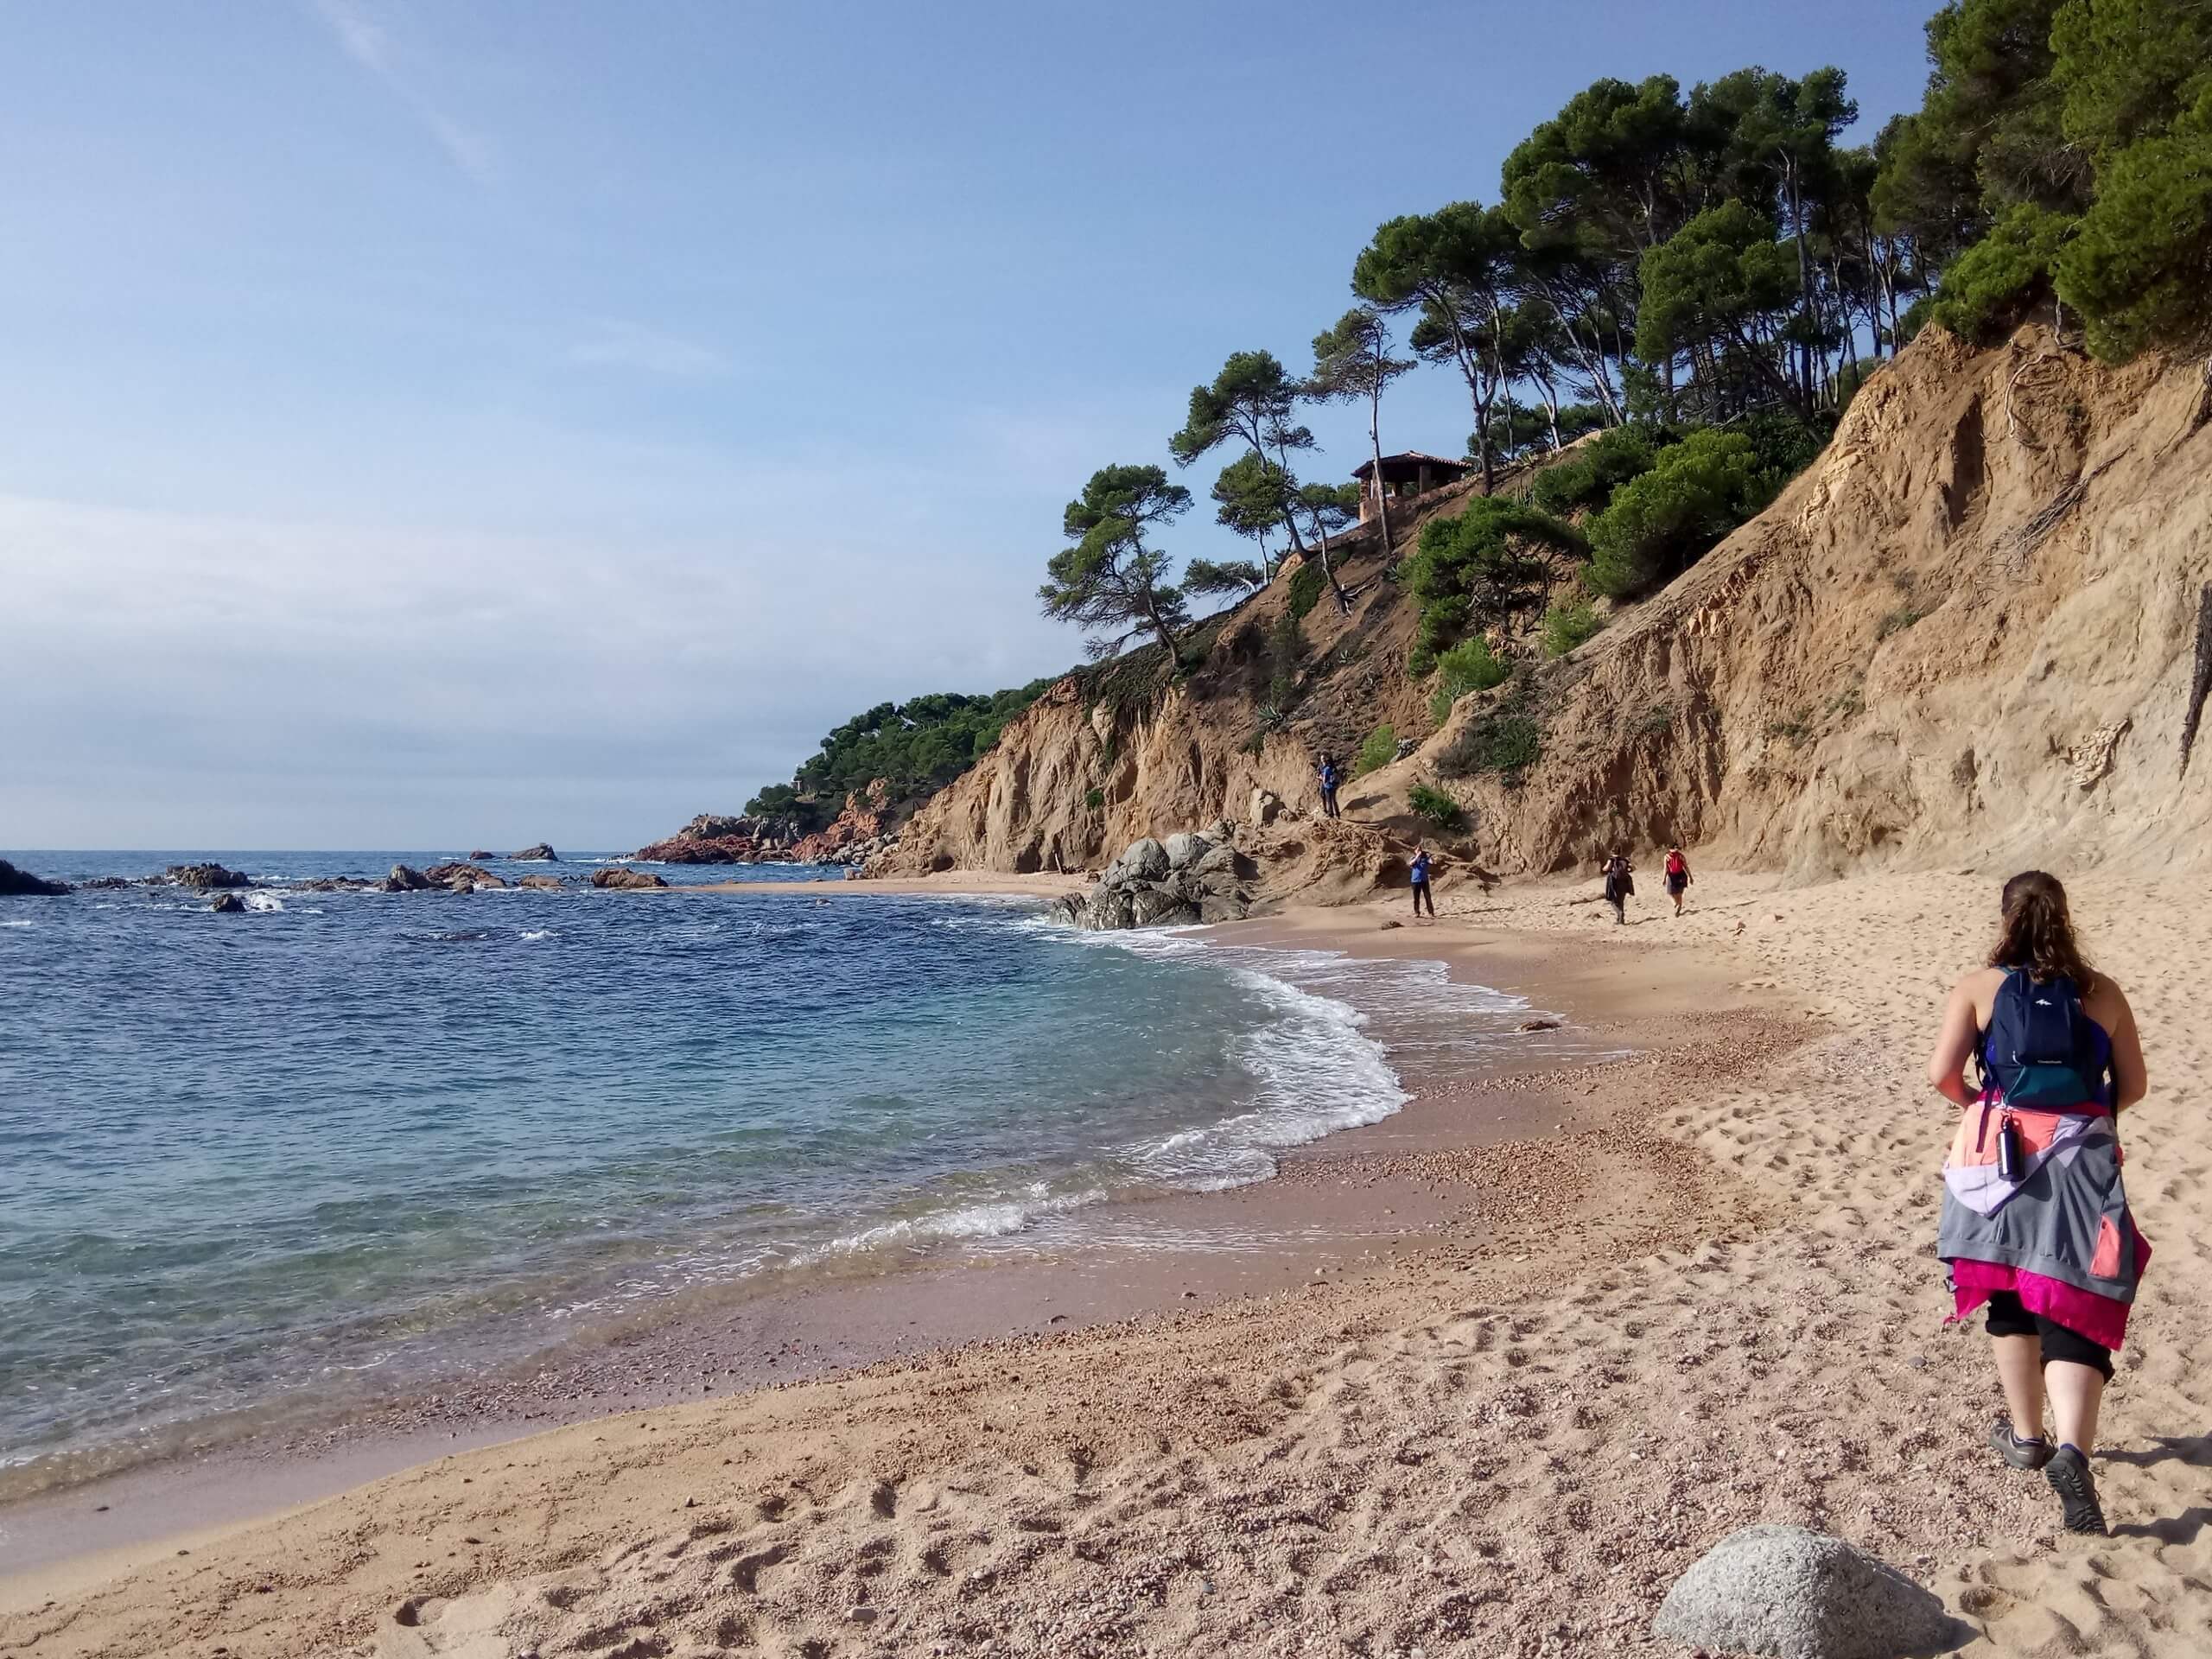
[(1968, 634)]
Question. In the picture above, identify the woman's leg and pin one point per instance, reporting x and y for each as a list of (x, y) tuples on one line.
[(2076, 1390), (2020, 1368)]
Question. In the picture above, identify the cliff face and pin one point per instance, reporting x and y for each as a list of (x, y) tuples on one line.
[(1969, 633)]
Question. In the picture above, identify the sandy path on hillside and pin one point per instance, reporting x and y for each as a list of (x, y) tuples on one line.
[(1710, 1302)]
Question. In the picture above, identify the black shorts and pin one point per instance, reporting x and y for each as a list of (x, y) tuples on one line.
[(2008, 1319), (1676, 883)]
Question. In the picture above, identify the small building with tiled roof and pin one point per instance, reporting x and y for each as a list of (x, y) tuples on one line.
[(1404, 475)]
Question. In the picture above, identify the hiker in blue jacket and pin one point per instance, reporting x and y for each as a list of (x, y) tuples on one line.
[(1329, 778), (1421, 894)]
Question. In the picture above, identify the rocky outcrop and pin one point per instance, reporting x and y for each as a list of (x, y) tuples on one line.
[(548, 883), (615, 876), (1967, 633), (205, 877), (713, 838), (1187, 879), (228, 904), (540, 854), (453, 875), (864, 830), (405, 878), (22, 884)]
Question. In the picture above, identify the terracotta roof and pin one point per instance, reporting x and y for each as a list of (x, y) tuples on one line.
[(1411, 457)]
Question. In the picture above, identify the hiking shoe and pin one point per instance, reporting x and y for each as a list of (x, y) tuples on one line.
[(2029, 1455), (2068, 1472)]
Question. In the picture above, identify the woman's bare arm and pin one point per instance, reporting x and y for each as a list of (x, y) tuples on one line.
[(1946, 1066), (2130, 1082)]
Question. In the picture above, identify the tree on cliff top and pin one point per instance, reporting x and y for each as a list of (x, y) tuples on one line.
[(1352, 363), (1456, 268), (1109, 581), (1254, 397)]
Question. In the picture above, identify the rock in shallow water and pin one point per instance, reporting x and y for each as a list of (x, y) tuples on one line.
[(22, 884), (1785, 1593), (618, 877), (204, 877)]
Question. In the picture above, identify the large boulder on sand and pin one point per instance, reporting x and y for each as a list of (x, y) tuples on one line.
[(1161, 906), (618, 877), (22, 884), (1145, 860), (1185, 849), (1784, 1593)]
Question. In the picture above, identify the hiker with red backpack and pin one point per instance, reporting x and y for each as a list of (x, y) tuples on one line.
[(2035, 1222), (1678, 877)]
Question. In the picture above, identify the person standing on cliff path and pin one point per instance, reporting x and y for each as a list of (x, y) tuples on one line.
[(1330, 779), (1421, 894), (1678, 877), (1620, 885)]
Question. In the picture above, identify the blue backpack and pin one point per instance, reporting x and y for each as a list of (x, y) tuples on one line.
[(2042, 1050)]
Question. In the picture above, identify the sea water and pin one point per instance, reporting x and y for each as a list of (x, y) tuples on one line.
[(254, 1156)]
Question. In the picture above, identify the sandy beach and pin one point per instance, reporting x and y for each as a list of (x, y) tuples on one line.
[(1659, 1299)]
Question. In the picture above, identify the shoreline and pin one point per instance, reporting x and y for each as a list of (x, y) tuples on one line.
[(1314, 1219)]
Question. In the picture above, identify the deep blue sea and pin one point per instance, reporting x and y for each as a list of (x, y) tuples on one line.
[(345, 1134)]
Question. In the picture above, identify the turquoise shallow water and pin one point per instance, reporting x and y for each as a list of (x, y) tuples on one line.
[(353, 1136)]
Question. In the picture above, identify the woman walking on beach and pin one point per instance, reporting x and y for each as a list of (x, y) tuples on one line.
[(2035, 1222), (1678, 877), (1620, 885)]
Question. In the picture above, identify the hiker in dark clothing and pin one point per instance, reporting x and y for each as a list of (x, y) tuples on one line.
[(1421, 894), (1620, 885), (1329, 778)]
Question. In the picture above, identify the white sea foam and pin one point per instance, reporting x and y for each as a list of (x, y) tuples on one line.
[(538, 934), (32, 924), (993, 1219), (263, 902)]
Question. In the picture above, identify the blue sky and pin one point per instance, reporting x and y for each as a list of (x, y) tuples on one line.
[(443, 424)]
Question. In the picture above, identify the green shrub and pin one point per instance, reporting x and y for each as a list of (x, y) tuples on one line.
[(1304, 588), (1468, 667), (2137, 270), (1094, 798), (1286, 654), (1379, 751), (1660, 523), (1568, 624), (1586, 481), (1989, 285), (1490, 563), (1503, 741), (1436, 806)]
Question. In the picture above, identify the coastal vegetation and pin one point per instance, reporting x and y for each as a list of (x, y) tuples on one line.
[(1705, 279), (915, 747)]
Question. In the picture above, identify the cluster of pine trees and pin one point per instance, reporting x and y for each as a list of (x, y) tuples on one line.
[(916, 746), (1711, 275), (1703, 278)]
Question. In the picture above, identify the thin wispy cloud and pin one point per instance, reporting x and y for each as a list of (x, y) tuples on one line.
[(617, 344), (366, 40)]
